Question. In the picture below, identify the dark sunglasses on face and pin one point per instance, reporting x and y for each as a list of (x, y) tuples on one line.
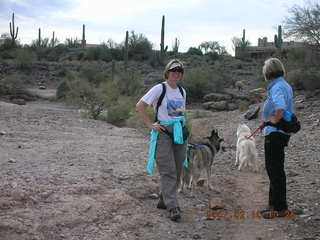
[(176, 69)]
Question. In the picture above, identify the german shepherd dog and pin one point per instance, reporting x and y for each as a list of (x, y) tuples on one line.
[(200, 159)]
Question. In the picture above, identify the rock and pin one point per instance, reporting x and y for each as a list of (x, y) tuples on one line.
[(219, 106), (217, 97), (232, 106), (2, 133), (19, 101), (216, 203), (42, 87), (257, 95), (11, 160), (206, 105), (196, 236)]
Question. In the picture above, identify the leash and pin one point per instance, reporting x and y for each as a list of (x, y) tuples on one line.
[(262, 125)]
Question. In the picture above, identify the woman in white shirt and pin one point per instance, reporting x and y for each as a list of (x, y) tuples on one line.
[(168, 146)]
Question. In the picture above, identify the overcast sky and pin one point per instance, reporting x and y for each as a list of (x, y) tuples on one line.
[(191, 21)]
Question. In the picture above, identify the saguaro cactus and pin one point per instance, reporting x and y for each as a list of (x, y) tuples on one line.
[(54, 40), (278, 38), (243, 37), (162, 48), (113, 69), (126, 50), (13, 31), (39, 37), (83, 42)]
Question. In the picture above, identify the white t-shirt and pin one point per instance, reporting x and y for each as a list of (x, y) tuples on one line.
[(173, 104)]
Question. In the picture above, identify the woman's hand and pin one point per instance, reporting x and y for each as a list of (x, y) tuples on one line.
[(278, 115), (157, 127)]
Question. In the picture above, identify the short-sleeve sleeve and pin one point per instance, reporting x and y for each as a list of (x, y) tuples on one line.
[(152, 95)]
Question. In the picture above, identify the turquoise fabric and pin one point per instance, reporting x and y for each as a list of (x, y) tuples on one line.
[(177, 136)]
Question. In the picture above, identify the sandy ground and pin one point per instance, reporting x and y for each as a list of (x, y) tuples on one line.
[(65, 177)]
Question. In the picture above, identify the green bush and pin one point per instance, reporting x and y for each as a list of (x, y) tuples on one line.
[(64, 85), (98, 53), (140, 48), (243, 105), (93, 72), (311, 80), (136, 121), (12, 85), (203, 81), (129, 83), (119, 114), (25, 58), (94, 99), (194, 51)]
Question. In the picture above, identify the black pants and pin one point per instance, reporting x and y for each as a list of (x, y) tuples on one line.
[(274, 156)]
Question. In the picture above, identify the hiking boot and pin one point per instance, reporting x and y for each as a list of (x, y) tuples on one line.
[(161, 204), (174, 214), (271, 214)]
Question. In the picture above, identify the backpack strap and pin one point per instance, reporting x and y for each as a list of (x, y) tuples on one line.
[(164, 89), (181, 90)]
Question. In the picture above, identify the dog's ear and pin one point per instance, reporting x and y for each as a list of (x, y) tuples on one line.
[(214, 132)]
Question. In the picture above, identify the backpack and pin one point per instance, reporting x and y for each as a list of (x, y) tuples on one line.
[(164, 89)]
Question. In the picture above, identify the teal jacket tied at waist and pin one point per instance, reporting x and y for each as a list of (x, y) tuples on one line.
[(178, 139)]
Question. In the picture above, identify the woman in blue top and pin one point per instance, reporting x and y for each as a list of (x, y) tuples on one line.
[(279, 104)]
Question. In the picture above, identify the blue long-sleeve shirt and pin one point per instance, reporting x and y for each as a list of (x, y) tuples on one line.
[(280, 96)]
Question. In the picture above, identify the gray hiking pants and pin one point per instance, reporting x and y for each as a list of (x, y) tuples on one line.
[(169, 159)]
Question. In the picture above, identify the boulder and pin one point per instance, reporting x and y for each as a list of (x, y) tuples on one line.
[(18, 101), (257, 95), (217, 97), (218, 106)]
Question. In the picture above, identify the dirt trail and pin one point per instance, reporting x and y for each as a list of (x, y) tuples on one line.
[(64, 177)]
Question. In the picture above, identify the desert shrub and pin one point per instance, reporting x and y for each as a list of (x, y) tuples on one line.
[(98, 53), (212, 56), (140, 48), (93, 72), (25, 58), (295, 78), (56, 52), (129, 83), (203, 81), (156, 59), (243, 105), (94, 99), (72, 43), (12, 85), (311, 80), (194, 51), (119, 113), (135, 120), (62, 89)]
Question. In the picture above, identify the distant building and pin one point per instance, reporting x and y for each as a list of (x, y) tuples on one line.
[(266, 49)]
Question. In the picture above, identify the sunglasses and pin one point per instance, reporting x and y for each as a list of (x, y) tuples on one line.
[(176, 69)]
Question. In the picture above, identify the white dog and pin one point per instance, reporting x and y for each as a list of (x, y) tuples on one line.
[(246, 154)]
